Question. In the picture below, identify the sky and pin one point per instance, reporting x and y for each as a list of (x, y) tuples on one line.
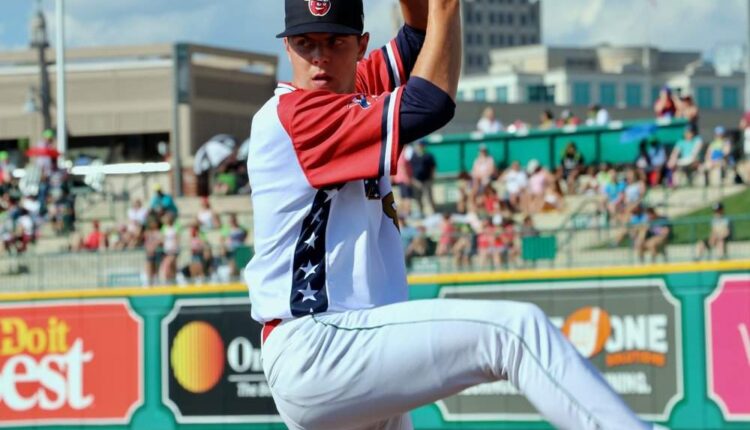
[(251, 24)]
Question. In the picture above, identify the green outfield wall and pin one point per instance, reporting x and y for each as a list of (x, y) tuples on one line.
[(671, 339), (615, 143)]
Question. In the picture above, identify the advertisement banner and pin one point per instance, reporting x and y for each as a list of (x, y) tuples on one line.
[(629, 329), (728, 346), (211, 364), (70, 363)]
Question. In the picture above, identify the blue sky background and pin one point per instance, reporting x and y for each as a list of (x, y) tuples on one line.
[(251, 24)]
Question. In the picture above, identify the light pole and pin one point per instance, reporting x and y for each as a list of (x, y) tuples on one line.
[(747, 59), (40, 43), (62, 132)]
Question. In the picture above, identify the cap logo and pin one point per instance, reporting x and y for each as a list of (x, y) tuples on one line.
[(319, 7)]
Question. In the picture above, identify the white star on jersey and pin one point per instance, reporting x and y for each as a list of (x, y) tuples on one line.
[(309, 269), (308, 294), (310, 242)]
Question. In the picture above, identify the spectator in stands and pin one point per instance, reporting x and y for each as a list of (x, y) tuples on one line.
[(654, 238), (508, 246), (464, 202), (7, 231), (447, 235), (488, 123), (118, 238), (6, 169), (638, 220), (200, 254), (421, 246), (463, 247), (657, 155), (163, 203), (233, 238), (171, 244), (613, 193), (137, 214), (537, 186), (489, 202), (597, 115), (546, 120), (515, 181), (665, 106), (404, 179), (527, 228), (43, 149), (488, 251), (153, 245), (721, 232), (226, 179), (208, 219), (634, 192), (423, 165), (685, 157), (745, 137), (602, 115), (571, 167), (718, 156), (62, 213), (96, 240), (689, 110), (568, 119), (482, 171)]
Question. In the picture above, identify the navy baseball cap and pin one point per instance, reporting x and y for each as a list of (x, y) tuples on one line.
[(323, 16)]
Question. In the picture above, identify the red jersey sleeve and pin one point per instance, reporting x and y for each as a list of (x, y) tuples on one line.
[(340, 138), (382, 71)]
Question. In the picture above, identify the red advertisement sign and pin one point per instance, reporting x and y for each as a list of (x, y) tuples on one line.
[(728, 332), (70, 363)]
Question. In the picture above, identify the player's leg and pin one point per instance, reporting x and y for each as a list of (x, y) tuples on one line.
[(346, 370)]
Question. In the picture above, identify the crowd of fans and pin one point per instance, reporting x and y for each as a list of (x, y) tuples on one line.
[(156, 229), (496, 204), (42, 194), (494, 210)]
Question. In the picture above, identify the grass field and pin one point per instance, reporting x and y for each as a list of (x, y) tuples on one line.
[(696, 225)]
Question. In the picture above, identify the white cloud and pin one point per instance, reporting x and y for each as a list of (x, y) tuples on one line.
[(675, 24), (110, 23)]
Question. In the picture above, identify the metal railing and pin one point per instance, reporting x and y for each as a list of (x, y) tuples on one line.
[(106, 269), (595, 244)]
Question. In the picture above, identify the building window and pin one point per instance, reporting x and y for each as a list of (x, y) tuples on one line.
[(540, 94), (480, 95), (607, 94), (705, 97), (510, 19), (459, 95), (633, 95), (501, 94), (730, 98), (511, 40), (581, 93)]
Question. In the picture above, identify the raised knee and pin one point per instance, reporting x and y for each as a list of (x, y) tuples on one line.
[(532, 312)]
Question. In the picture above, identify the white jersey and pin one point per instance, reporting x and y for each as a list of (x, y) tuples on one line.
[(326, 229)]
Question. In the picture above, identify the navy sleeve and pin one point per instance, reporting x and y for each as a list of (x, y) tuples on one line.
[(425, 108), (409, 41)]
